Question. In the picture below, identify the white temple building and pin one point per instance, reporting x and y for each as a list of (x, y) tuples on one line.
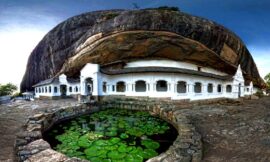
[(148, 78)]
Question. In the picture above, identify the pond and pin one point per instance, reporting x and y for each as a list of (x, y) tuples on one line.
[(112, 135)]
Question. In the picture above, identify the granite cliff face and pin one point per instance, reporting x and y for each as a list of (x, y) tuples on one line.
[(124, 35)]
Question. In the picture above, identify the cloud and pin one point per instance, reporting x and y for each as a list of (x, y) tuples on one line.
[(20, 32), (262, 59)]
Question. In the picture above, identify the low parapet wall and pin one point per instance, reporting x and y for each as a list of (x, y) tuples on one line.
[(30, 146), (4, 99)]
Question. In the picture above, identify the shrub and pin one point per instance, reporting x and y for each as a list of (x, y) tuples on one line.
[(7, 89), (168, 8), (17, 94), (259, 93)]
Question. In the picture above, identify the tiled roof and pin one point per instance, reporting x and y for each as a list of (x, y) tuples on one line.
[(47, 81), (55, 80), (164, 70)]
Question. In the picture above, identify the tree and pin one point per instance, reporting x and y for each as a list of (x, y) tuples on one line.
[(7, 89), (267, 80)]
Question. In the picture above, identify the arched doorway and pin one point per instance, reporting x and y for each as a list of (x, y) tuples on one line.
[(120, 86), (63, 90), (140, 86), (228, 88), (162, 86), (88, 86), (198, 87), (210, 88), (181, 87)]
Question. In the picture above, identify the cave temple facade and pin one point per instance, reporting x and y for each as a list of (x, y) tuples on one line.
[(148, 78)]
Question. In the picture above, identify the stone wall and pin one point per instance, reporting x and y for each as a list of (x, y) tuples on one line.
[(4, 99), (30, 146)]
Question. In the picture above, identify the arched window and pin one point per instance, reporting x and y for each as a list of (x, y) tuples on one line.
[(42, 89), (161, 86), (219, 88), (50, 89), (70, 89), (181, 87), (39, 90), (210, 88), (46, 90), (55, 89), (120, 86), (76, 89), (140, 86), (228, 88), (198, 87), (104, 87)]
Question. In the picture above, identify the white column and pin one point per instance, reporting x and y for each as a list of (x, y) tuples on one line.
[(133, 87), (191, 89), (204, 88), (82, 86)]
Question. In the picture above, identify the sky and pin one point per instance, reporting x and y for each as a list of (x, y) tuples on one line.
[(23, 23)]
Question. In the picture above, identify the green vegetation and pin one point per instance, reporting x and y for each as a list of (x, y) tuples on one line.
[(168, 8), (267, 80), (111, 135), (110, 15), (164, 8), (7, 89), (259, 93)]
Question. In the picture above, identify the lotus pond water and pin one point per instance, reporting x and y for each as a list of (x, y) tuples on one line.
[(112, 135)]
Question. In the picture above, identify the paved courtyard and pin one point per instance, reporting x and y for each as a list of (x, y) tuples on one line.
[(237, 131)]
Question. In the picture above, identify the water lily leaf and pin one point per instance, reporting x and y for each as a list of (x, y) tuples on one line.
[(124, 136), (114, 140), (101, 142), (84, 143), (116, 155), (138, 158), (111, 134), (92, 151), (122, 148), (149, 153), (148, 143), (94, 159), (110, 148)]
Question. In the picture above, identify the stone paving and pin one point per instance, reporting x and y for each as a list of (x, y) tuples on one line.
[(14, 115), (186, 147), (231, 131)]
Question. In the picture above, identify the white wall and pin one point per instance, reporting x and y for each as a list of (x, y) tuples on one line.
[(92, 71), (172, 79), (174, 64), (62, 81)]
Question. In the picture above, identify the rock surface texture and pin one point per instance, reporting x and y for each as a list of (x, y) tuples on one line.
[(124, 35)]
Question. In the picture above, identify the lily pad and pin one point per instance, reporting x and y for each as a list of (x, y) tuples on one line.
[(150, 144), (116, 155), (92, 151), (114, 140), (124, 136), (110, 136)]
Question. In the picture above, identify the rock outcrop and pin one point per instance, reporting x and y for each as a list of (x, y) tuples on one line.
[(124, 35)]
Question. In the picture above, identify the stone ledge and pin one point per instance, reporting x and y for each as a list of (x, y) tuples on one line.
[(30, 146)]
